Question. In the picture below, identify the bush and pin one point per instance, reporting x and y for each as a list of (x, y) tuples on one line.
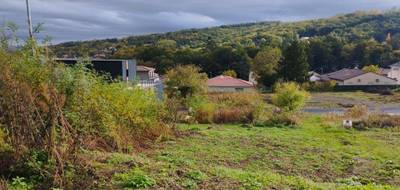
[(237, 107), (226, 107), (234, 115), (379, 121), (61, 110), (19, 183), (185, 81), (283, 119), (356, 112), (289, 96), (327, 86), (134, 179), (201, 109)]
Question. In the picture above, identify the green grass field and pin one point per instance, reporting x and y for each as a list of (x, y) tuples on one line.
[(313, 156)]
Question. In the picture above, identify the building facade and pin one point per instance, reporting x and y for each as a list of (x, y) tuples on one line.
[(395, 72)]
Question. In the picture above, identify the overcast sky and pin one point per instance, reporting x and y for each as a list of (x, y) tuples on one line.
[(66, 20)]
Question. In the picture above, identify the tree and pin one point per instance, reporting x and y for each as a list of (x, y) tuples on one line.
[(289, 96), (167, 44), (228, 58), (371, 68), (295, 66), (230, 73), (185, 81), (265, 65)]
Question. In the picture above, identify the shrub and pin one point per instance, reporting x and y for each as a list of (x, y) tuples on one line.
[(327, 86), (201, 109), (237, 107), (134, 179), (20, 183), (230, 73), (379, 121), (356, 112), (185, 81), (234, 115), (226, 107), (284, 119), (62, 109), (371, 68), (289, 96)]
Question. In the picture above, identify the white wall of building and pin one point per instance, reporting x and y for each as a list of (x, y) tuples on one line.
[(369, 79), (395, 73)]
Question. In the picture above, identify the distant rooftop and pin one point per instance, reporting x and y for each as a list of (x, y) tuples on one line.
[(144, 68), (395, 65), (227, 81), (344, 74)]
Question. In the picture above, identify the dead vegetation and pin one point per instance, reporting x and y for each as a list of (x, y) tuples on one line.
[(49, 113)]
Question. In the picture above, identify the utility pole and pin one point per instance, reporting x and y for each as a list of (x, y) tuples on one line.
[(28, 11)]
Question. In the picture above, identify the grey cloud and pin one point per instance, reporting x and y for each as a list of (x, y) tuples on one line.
[(66, 20)]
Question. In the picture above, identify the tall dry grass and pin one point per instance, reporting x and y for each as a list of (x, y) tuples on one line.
[(50, 112)]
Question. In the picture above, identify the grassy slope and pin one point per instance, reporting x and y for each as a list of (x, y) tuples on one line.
[(232, 157)]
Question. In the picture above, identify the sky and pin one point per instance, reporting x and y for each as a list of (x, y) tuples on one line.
[(72, 20)]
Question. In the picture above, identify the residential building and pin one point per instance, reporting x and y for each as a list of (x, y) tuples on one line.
[(395, 71), (356, 77), (229, 84), (147, 77), (314, 77), (115, 68)]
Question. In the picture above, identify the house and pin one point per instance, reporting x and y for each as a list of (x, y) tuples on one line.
[(147, 77), (356, 77), (314, 76), (115, 68), (127, 70), (146, 73), (394, 71), (229, 84)]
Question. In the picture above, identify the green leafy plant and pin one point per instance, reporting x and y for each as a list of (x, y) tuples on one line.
[(20, 183), (134, 179), (289, 96), (201, 108), (185, 81)]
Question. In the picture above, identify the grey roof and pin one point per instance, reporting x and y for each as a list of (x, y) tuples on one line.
[(343, 74), (395, 65), (144, 68)]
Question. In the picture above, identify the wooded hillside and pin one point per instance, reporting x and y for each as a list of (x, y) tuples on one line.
[(356, 39)]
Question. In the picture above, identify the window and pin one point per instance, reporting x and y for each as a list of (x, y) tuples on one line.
[(239, 89), (359, 80), (377, 80)]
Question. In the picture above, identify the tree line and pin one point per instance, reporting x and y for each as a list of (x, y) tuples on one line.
[(273, 50)]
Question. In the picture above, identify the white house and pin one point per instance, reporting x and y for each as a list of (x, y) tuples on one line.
[(369, 79), (356, 77), (314, 77), (394, 72)]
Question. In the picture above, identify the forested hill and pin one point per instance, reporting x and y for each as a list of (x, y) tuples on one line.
[(353, 27), (356, 39)]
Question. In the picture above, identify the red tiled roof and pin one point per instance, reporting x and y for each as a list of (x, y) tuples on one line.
[(226, 81)]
